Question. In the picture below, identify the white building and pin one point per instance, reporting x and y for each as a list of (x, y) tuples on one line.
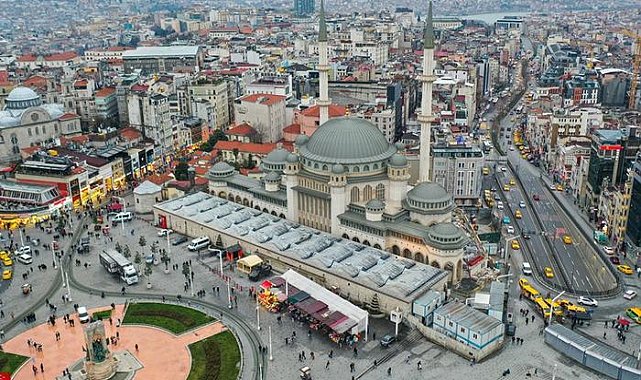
[(458, 168), (468, 326), (265, 113)]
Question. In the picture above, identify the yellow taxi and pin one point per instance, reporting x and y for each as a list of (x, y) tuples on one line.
[(567, 239), (7, 274), (559, 187), (518, 214), (515, 245), (506, 187), (512, 182), (486, 170), (7, 261), (625, 269), (549, 273)]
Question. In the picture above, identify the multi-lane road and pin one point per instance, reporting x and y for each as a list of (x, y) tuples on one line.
[(577, 267)]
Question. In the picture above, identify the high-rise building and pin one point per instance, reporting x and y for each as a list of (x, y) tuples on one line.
[(303, 7)]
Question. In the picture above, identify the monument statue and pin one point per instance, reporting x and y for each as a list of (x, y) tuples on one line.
[(99, 361)]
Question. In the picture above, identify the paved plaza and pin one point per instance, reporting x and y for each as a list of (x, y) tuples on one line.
[(159, 352), (402, 357)]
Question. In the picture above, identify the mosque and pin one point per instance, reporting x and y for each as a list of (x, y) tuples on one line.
[(348, 180), (26, 121)]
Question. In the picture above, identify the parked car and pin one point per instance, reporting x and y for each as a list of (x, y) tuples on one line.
[(629, 294), (587, 301), (387, 340), (178, 240), (83, 315), (510, 229), (164, 232), (259, 272), (609, 250), (25, 258), (23, 249), (615, 260), (522, 204), (625, 269)]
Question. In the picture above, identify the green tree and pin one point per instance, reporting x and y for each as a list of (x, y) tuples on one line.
[(126, 251), (217, 135), (148, 270), (142, 241), (181, 172), (118, 247), (138, 258), (164, 258)]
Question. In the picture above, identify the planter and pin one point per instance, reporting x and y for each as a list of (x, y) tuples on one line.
[(167, 271), (149, 285)]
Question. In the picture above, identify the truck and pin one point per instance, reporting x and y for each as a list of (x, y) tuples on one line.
[(115, 263)]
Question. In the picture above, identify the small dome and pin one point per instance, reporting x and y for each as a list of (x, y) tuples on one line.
[(272, 177), (147, 188), (22, 93), (221, 169), (446, 236), (398, 160), (429, 197), (292, 158), (21, 98), (375, 205), (338, 169), (399, 146), (301, 140), (277, 156)]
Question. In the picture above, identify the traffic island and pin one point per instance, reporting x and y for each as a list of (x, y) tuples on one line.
[(173, 318), (216, 357)]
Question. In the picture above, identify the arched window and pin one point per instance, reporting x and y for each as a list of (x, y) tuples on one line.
[(366, 168), (356, 169), (355, 195), (14, 138), (29, 132), (380, 191), (367, 193), (325, 167)]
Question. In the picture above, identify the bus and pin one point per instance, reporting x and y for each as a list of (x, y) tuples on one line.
[(634, 313)]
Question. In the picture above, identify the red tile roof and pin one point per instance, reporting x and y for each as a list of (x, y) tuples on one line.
[(266, 99), (81, 83), (35, 81), (160, 179), (253, 148), (68, 116), (139, 87), (241, 130), (105, 91), (82, 139), (30, 150), (292, 128), (119, 48), (27, 58), (62, 56), (334, 111), (130, 133)]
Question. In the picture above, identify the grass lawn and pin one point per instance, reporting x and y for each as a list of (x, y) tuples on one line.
[(11, 362), (105, 314), (215, 358), (176, 319)]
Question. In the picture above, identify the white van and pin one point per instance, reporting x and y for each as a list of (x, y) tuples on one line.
[(527, 268), (123, 216), (83, 315), (198, 243)]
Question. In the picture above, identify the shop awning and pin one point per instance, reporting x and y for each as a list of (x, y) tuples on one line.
[(623, 322), (277, 282), (334, 317), (345, 325), (311, 306), (296, 298), (266, 285)]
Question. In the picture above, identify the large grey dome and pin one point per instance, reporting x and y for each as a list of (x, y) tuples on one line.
[(446, 236), (429, 197), (21, 98), (347, 140)]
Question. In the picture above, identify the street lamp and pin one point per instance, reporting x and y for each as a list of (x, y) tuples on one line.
[(552, 307), (124, 209), (271, 356), (257, 315), (229, 295), (191, 279), (53, 252)]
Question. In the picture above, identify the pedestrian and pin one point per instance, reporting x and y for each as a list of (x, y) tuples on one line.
[(35, 369), (136, 347), (419, 365), (351, 367), (533, 319), (604, 334), (42, 367), (527, 320), (389, 371), (312, 355), (327, 365), (331, 353), (300, 357)]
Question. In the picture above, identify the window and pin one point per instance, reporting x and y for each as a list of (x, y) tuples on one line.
[(29, 132)]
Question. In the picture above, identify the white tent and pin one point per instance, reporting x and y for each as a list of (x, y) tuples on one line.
[(333, 301)]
